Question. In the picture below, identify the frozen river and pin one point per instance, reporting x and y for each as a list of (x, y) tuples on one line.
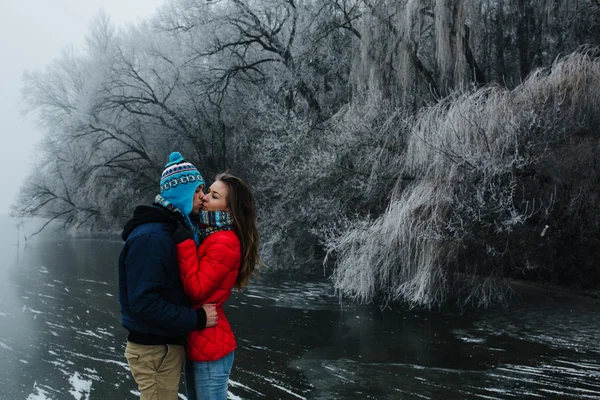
[(60, 337)]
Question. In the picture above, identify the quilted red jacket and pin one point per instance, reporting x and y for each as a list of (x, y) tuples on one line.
[(208, 275)]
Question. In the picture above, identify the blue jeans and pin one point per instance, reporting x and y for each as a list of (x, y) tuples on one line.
[(208, 380)]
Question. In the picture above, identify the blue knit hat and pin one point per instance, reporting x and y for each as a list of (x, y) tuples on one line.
[(178, 183)]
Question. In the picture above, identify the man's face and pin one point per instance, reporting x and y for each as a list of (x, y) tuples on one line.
[(197, 202)]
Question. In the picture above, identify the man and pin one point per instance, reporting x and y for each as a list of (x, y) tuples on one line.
[(154, 307)]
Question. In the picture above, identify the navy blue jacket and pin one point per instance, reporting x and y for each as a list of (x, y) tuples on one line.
[(153, 303)]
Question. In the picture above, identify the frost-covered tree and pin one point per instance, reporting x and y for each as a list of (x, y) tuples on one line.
[(421, 50), (406, 138), (505, 186)]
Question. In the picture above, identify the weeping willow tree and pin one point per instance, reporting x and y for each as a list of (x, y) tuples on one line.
[(415, 51), (419, 51), (457, 223), (506, 187)]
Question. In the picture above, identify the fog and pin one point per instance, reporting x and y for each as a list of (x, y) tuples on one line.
[(32, 34)]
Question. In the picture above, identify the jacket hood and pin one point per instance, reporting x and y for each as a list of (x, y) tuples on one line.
[(146, 214)]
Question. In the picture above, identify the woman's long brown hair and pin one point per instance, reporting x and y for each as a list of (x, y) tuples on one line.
[(240, 202)]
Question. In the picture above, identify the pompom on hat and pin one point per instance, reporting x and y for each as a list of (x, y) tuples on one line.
[(179, 181)]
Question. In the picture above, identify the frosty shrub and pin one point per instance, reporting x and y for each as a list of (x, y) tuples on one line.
[(506, 186), (317, 178)]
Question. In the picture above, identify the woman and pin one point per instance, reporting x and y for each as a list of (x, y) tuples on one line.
[(225, 258)]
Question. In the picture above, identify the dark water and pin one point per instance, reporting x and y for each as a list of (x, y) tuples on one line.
[(60, 337)]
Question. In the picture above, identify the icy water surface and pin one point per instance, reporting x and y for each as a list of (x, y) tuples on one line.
[(60, 337)]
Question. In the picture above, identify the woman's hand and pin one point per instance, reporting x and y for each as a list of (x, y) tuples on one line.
[(211, 314)]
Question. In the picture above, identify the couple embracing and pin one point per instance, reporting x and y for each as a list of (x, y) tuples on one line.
[(181, 259)]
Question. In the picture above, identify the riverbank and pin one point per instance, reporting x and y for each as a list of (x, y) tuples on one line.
[(523, 287)]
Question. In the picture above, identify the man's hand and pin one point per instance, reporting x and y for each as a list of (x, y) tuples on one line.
[(211, 314), (182, 232)]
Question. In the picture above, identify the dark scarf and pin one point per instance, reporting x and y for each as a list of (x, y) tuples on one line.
[(214, 221)]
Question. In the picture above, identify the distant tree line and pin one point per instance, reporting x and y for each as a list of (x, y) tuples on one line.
[(420, 151)]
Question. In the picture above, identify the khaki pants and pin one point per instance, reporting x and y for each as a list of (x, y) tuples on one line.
[(156, 369)]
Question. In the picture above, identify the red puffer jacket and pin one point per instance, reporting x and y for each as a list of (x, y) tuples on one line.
[(208, 275)]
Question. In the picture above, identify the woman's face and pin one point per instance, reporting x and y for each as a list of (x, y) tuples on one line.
[(216, 198)]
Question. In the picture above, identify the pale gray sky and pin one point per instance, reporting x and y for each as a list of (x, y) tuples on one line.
[(32, 34)]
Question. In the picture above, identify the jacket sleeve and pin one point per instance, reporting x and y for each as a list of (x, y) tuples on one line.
[(145, 267), (202, 277)]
